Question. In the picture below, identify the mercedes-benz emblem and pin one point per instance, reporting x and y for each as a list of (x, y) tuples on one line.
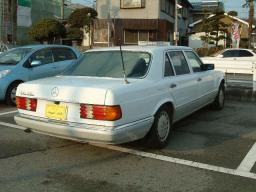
[(55, 92)]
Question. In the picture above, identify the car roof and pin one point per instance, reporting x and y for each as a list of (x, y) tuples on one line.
[(146, 48), (40, 46), (237, 49)]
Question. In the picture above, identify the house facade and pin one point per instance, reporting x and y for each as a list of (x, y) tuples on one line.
[(243, 26), (131, 21)]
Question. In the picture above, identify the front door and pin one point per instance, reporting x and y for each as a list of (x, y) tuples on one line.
[(183, 86)]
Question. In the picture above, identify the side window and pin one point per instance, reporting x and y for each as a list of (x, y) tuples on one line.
[(245, 53), (179, 62), (62, 54), (44, 56), (194, 61), (168, 71), (231, 53)]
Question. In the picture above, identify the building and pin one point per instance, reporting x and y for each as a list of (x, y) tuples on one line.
[(204, 8), (243, 26), (131, 21), (17, 17)]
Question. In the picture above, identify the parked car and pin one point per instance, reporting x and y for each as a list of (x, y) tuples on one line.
[(236, 60), (3, 48), (93, 101), (32, 62)]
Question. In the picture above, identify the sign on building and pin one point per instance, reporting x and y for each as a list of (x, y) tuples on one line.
[(24, 13), (132, 3)]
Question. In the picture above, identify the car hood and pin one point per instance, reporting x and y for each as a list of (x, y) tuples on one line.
[(90, 90), (6, 67)]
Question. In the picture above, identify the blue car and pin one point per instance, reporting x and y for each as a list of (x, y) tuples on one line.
[(32, 62)]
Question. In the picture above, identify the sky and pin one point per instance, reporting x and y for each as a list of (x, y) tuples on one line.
[(230, 5)]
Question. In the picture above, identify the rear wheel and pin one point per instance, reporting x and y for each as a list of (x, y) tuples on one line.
[(220, 98), (159, 135), (10, 97)]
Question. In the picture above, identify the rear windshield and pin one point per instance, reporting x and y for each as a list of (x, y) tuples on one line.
[(13, 56), (109, 64)]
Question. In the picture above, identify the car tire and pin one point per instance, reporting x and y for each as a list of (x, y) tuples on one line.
[(219, 101), (159, 134), (10, 98)]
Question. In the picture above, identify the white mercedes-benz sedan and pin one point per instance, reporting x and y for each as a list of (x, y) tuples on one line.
[(117, 95)]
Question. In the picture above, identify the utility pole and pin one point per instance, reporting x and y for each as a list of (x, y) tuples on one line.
[(251, 15), (176, 24), (62, 4)]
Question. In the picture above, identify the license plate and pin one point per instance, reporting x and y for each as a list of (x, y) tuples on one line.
[(57, 112)]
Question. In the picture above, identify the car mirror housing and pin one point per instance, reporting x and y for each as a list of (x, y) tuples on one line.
[(35, 63), (207, 67)]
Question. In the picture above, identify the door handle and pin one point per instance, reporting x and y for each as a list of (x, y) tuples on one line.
[(173, 85), (199, 79)]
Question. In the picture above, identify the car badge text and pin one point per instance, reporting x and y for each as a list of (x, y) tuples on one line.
[(26, 93)]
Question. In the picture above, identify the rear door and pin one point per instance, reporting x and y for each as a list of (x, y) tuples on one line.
[(184, 86), (205, 79), (63, 57)]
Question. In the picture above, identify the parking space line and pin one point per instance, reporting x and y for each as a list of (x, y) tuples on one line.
[(249, 160), (194, 164), (235, 172), (9, 112), (12, 125)]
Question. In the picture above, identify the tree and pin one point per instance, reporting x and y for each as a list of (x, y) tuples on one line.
[(74, 33), (81, 18), (47, 30), (214, 28)]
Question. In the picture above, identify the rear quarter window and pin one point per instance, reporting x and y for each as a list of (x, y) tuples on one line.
[(63, 54)]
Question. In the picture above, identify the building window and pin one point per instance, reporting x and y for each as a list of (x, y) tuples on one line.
[(129, 4), (184, 12), (133, 36), (167, 6)]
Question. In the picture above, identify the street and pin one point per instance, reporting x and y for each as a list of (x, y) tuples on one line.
[(208, 151)]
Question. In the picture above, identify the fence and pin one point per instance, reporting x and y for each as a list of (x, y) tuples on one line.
[(239, 72)]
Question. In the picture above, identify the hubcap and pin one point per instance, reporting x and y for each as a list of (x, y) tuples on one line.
[(13, 95), (221, 97), (163, 125)]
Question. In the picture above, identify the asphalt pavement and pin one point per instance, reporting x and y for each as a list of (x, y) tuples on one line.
[(205, 153)]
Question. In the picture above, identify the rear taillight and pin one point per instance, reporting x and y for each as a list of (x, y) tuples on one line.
[(26, 103), (100, 112)]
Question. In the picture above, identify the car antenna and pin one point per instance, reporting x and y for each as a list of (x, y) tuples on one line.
[(122, 57)]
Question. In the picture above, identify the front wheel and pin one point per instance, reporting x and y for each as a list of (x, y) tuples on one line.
[(10, 97), (220, 98), (159, 135)]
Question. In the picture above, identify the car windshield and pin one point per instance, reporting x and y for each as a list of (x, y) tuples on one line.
[(109, 64), (13, 56)]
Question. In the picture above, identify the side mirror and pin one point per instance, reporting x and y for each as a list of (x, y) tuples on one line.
[(35, 63), (220, 56), (207, 67)]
